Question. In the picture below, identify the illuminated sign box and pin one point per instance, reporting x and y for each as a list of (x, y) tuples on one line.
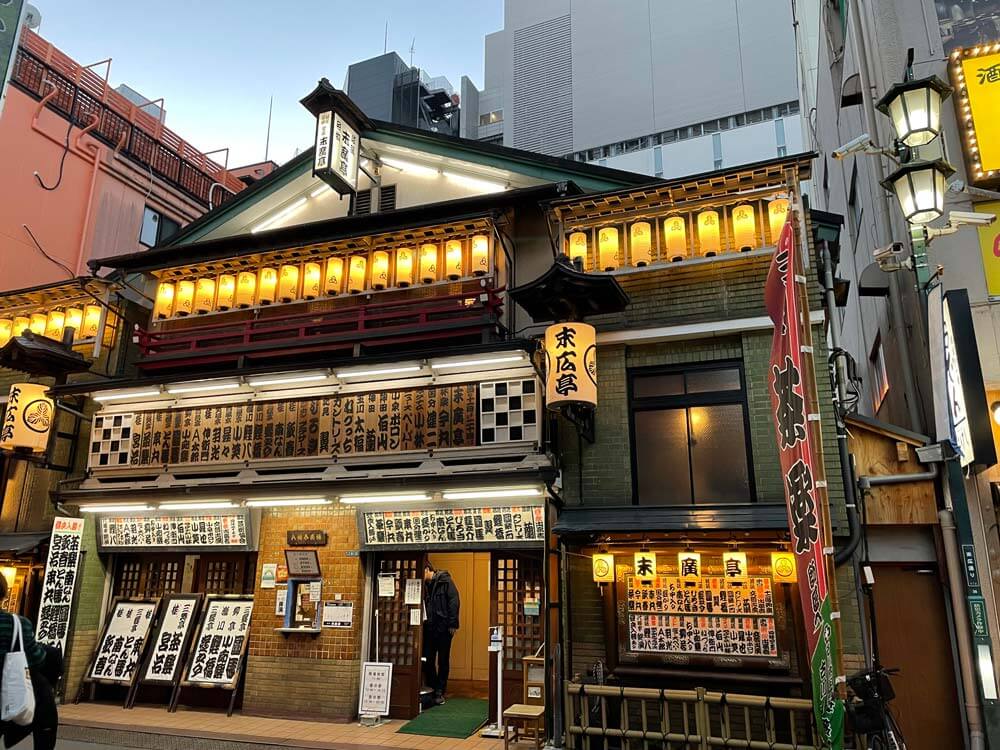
[(975, 73)]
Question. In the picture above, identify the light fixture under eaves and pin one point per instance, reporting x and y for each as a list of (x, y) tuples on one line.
[(127, 508), (476, 362), (125, 395), (273, 502), (202, 387), (475, 183), (406, 498), (321, 190), (198, 505), (282, 214), (410, 168), (485, 493), (379, 371), (283, 379)]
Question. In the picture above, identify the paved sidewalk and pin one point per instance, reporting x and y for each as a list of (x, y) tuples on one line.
[(152, 727)]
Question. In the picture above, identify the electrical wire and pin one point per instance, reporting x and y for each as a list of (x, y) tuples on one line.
[(56, 261), (62, 163)]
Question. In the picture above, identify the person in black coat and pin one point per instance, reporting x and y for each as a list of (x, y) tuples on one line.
[(441, 605)]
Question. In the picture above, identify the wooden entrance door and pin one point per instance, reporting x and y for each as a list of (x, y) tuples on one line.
[(398, 641), (148, 576), (913, 636), (515, 577)]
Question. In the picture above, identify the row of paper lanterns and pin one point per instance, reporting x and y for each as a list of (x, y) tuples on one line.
[(85, 320), (674, 245), (338, 274), (734, 566)]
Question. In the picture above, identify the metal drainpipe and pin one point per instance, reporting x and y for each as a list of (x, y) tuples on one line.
[(895, 300)]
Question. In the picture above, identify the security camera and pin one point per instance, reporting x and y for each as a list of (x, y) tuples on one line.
[(970, 218), (861, 144), (890, 257)]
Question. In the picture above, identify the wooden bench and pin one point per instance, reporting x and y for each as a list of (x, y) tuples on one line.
[(530, 715)]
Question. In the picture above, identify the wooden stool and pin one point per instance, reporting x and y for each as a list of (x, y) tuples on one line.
[(527, 714)]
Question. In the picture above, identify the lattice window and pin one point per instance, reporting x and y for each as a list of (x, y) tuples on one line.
[(129, 583), (163, 577), (396, 636), (109, 442), (517, 579), (508, 411), (221, 577)]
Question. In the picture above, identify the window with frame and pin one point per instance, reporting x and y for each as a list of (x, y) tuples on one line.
[(690, 435), (156, 227), (880, 376)]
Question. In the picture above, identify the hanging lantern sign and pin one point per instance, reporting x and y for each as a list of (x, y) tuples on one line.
[(689, 566), (28, 418), (604, 568), (783, 567), (645, 566), (570, 365), (734, 566), (339, 124)]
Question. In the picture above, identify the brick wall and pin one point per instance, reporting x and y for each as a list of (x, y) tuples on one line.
[(305, 675)]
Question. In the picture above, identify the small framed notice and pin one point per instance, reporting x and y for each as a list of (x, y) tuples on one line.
[(376, 680), (412, 592), (302, 563), (338, 614)]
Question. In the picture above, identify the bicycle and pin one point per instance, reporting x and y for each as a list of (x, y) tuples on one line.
[(870, 712)]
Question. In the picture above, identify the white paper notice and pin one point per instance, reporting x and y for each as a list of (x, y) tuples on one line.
[(387, 586), (280, 595), (412, 595), (268, 575), (415, 616), (338, 614), (315, 591)]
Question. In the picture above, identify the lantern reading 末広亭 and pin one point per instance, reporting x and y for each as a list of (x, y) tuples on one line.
[(689, 566), (184, 298), (570, 365), (246, 289), (734, 566), (54, 325), (74, 320), (6, 330), (480, 255), (578, 248), (28, 418), (607, 246), (744, 227), (708, 233), (164, 307), (675, 238), (428, 263), (91, 326), (404, 266), (38, 323), (380, 269), (267, 286), (20, 324), (604, 567), (333, 283), (204, 296), (453, 259), (645, 566), (641, 243), (288, 283), (311, 277), (225, 296), (777, 212), (356, 274)]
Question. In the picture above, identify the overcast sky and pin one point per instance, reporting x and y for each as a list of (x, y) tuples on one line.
[(216, 62)]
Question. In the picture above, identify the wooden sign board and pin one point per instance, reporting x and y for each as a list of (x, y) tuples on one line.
[(302, 563), (122, 644), (171, 639), (61, 572), (217, 655), (440, 526), (306, 538), (229, 530)]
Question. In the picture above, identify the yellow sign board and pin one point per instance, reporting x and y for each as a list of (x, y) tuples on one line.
[(989, 245), (27, 418), (783, 567), (645, 566), (976, 75), (604, 568)]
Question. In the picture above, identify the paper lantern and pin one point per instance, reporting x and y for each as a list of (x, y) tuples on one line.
[(164, 306), (288, 283), (356, 274), (6, 330), (28, 418), (333, 283), (604, 568), (91, 327), (184, 298), (453, 259), (74, 320), (744, 227), (428, 263), (645, 566), (675, 238), (246, 289), (607, 245), (204, 296), (641, 243), (311, 279), (734, 566), (225, 292), (54, 325), (777, 212), (267, 286), (20, 324), (708, 233), (380, 269), (480, 255), (404, 266), (783, 567), (578, 247), (689, 566), (570, 365), (37, 324)]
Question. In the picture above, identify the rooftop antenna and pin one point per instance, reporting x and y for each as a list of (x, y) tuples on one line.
[(413, 49), (267, 138), (385, 39)]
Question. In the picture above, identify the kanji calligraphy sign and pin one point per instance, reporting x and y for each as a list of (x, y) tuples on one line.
[(61, 573), (170, 641), (570, 365), (27, 418), (217, 653), (121, 645)]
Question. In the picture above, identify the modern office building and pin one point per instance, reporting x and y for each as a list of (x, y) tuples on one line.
[(664, 89)]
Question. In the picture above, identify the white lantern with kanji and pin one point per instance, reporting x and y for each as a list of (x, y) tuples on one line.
[(570, 365)]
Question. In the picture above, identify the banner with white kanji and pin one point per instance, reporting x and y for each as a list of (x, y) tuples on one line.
[(61, 571), (788, 387)]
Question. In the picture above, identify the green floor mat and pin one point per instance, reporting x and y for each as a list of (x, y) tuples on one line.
[(458, 718)]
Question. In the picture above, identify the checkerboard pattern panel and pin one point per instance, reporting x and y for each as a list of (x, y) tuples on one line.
[(110, 440), (508, 411)]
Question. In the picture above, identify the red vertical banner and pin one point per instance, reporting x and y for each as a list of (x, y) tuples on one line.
[(789, 384)]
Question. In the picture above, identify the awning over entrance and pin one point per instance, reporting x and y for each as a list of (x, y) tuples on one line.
[(21, 543), (639, 519)]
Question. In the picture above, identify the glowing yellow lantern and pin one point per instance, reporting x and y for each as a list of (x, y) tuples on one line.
[(570, 365), (708, 233), (744, 227), (267, 285), (428, 263), (404, 266), (204, 296), (734, 566), (74, 319), (604, 567), (246, 289), (578, 248), (645, 566), (311, 277), (37, 324), (607, 244), (225, 292), (356, 274), (6, 330), (54, 325), (333, 284), (164, 306), (689, 566), (288, 283), (480, 255), (675, 238), (92, 322), (783, 567), (380, 269), (453, 259), (641, 243), (777, 212), (184, 298), (20, 323)]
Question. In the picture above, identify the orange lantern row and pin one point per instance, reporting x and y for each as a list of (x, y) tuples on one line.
[(85, 321)]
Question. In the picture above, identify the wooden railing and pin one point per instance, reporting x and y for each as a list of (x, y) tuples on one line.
[(604, 717)]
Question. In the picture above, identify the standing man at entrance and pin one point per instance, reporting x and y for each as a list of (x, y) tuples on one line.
[(440, 623)]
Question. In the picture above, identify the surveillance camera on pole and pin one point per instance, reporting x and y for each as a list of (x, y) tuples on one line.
[(860, 145), (970, 218), (890, 257)]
